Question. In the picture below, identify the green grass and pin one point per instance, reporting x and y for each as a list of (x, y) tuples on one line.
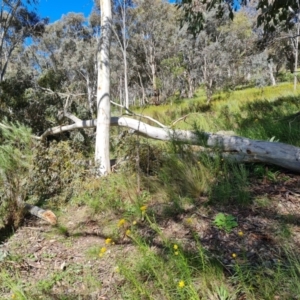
[(163, 201), (233, 111), (184, 273)]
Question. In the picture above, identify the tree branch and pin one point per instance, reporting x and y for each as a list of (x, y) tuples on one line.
[(131, 113)]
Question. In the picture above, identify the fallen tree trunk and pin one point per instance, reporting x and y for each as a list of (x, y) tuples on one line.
[(235, 148), (46, 215)]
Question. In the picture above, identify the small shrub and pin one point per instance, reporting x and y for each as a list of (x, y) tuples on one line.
[(140, 156), (225, 222), (56, 171)]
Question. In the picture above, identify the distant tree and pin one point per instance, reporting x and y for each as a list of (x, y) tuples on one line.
[(121, 30), (16, 24), (65, 57), (154, 39), (271, 13)]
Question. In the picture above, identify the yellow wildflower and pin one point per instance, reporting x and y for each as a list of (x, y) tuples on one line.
[(13, 296), (102, 251), (189, 220), (127, 232), (175, 247), (240, 233), (233, 255), (176, 252), (121, 223), (134, 223), (143, 208), (108, 241), (181, 284)]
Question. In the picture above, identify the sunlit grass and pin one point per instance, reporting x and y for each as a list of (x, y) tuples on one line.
[(257, 113), (132, 206)]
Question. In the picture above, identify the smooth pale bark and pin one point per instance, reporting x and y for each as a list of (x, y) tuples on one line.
[(270, 66), (296, 55), (123, 46), (235, 148), (103, 91)]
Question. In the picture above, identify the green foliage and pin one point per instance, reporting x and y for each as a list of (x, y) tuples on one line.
[(277, 13), (174, 65), (13, 91), (15, 159), (184, 176), (172, 275), (286, 77), (282, 278), (140, 156), (230, 185), (225, 222), (21, 103), (107, 193), (13, 286), (57, 171), (274, 13), (52, 79)]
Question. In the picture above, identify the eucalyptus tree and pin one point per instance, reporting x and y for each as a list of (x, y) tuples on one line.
[(271, 13), (16, 24), (122, 21), (239, 40), (154, 38), (65, 57), (190, 63)]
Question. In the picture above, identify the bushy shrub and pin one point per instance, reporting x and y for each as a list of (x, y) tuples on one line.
[(138, 155), (56, 170)]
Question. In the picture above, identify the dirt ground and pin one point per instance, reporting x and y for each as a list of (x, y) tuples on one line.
[(62, 260)]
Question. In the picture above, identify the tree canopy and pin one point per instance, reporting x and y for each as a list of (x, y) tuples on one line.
[(271, 13)]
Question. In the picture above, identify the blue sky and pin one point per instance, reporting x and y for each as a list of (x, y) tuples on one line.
[(54, 9)]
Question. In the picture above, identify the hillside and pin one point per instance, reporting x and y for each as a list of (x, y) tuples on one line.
[(170, 222)]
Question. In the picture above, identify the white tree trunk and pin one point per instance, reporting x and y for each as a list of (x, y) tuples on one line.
[(103, 91), (124, 50), (296, 56), (270, 66)]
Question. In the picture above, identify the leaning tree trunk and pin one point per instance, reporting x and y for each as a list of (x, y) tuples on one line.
[(235, 148), (103, 91)]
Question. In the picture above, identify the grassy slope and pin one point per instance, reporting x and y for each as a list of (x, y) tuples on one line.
[(153, 232)]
